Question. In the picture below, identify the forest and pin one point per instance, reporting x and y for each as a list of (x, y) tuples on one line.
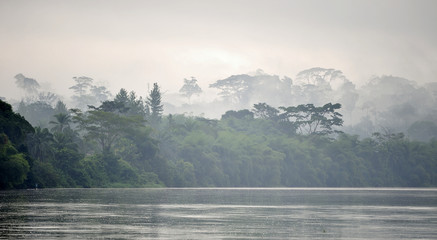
[(289, 140)]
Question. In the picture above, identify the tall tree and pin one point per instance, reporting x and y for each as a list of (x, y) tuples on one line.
[(13, 164), (105, 125), (264, 111), (100, 93), (37, 113), (122, 96), (13, 125), (244, 89), (39, 144), (62, 121), (83, 84), (309, 119), (82, 88), (234, 88), (61, 107), (48, 97), (190, 88), (13, 131), (134, 105), (154, 102)]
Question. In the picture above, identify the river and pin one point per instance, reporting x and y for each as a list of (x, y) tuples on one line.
[(217, 213)]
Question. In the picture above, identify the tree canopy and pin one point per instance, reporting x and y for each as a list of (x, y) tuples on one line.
[(119, 143), (190, 88)]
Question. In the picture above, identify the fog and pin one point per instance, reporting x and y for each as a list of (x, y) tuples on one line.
[(112, 93), (132, 44), (377, 58)]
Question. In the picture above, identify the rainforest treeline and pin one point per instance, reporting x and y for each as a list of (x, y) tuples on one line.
[(128, 141)]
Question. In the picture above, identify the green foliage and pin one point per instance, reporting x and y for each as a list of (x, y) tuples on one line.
[(155, 105), (113, 146), (39, 144), (241, 114), (184, 174), (309, 119), (61, 108), (105, 127), (38, 113), (264, 111), (13, 125), (61, 123), (130, 104), (46, 175), (13, 165)]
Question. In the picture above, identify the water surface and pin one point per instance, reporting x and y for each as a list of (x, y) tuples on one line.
[(219, 213)]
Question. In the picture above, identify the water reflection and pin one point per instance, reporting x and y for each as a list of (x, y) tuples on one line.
[(219, 213)]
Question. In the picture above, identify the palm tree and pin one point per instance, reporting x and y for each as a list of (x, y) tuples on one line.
[(66, 139), (62, 122), (39, 143)]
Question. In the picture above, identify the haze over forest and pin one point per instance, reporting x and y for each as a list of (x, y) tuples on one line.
[(135, 43), (385, 103), (230, 93)]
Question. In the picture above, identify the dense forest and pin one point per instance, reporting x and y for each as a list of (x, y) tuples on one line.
[(130, 141)]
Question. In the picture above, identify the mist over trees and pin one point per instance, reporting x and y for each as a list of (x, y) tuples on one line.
[(29, 85), (86, 93), (190, 88), (384, 103), (261, 131)]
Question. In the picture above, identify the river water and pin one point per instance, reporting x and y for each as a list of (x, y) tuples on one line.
[(211, 213)]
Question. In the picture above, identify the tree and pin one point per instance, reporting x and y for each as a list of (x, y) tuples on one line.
[(122, 96), (111, 106), (134, 105), (245, 89), (62, 121), (100, 93), (241, 114), (13, 164), (104, 125), (234, 88), (264, 111), (61, 107), (190, 88), (48, 97), (309, 119), (39, 144), (154, 102), (37, 113), (82, 85), (14, 125), (83, 98), (66, 139), (321, 76)]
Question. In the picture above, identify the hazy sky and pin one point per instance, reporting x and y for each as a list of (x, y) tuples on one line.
[(128, 44)]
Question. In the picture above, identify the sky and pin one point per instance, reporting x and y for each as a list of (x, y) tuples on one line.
[(132, 44)]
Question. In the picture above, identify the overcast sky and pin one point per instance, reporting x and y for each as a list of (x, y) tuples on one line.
[(128, 44)]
